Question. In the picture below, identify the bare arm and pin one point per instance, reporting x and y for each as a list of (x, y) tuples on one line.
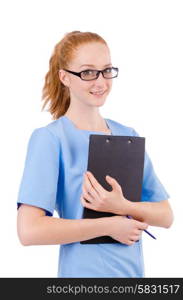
[(153, 213), (35, 228)]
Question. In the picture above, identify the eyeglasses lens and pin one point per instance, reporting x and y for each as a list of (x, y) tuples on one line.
[(92, 74)]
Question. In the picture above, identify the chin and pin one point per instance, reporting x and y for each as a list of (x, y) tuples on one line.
[(98, 103)]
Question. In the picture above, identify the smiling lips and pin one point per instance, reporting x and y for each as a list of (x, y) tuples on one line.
[(98, 93)]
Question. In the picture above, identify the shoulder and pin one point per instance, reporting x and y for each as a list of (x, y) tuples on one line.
[(46, 134), (122, 129)]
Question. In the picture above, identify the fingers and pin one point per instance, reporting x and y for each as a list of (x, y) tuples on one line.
[(130, 243), (142, 225), (135, 238), (137, 232), (85, 202), (95, 183), (87, 195), (88, 191)]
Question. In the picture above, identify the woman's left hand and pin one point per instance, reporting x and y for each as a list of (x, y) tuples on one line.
[(95, 197)]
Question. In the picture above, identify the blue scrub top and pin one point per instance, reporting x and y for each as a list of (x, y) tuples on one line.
[(57, 156)]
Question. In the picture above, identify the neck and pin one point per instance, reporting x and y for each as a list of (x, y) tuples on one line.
[(91, 121)]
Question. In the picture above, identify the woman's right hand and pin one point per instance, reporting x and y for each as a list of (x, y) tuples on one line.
[(124, 230)]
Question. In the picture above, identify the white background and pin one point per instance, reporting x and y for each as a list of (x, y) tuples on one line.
[(146, 42)]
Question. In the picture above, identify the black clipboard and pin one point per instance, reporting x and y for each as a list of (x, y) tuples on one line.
[(121, 157)]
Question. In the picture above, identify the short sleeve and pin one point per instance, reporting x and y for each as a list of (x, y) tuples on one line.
[(39, 181), (152, 188)]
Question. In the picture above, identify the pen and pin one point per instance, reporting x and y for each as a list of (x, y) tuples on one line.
[(150, 234)]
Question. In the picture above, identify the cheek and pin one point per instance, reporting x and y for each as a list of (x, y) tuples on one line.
[(78, 87), (110, 84), (82, 86), (87, 86)]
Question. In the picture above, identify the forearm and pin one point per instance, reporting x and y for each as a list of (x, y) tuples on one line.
[(52, 231), (154, 214)]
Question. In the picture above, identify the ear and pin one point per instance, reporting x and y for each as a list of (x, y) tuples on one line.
[(64, 78)]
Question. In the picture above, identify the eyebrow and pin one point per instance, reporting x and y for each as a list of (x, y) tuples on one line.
[(94, 66)]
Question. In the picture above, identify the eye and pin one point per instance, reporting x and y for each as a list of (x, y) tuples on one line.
[(88, 72), (108, 70)]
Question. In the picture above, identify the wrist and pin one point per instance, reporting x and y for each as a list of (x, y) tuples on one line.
[(110, 223), (130, 208), (105, 224), (126, 207)]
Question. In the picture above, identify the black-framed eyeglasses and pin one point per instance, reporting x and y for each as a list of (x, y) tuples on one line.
[(88, 74)]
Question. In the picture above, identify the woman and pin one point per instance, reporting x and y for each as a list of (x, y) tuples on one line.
[(78, 81)]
